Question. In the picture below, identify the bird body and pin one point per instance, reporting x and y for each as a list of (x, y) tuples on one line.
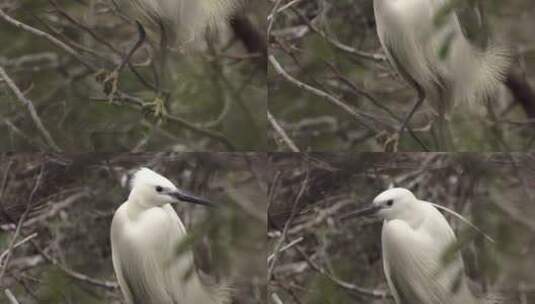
[(439, 52), (418, 249), (184, 20), (409, 47), (146, 233), (418, 258), (428, 46)]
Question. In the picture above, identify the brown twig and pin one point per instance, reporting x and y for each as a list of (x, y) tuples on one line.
[(11, 297), (278, 128), (359, 116), (29, 105), (20, 223), (379, 294), (282, 238)]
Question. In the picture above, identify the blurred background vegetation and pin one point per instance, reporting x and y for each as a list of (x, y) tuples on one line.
[(63, 206), (214, 89), (332, 46), (315, 257)]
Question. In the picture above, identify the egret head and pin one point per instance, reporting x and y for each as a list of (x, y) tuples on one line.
[(150, 189), (395, 203)]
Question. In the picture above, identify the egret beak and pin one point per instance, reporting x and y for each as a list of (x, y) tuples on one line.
[(371, 210), (366, 211), (190, 198)]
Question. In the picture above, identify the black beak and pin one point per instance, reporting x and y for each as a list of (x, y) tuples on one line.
[(362, 212), (190, 198)]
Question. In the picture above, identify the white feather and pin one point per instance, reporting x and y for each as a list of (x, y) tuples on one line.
[(185, 19)]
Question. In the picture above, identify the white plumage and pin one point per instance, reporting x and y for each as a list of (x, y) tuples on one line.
[(185, 19), (146, 233), (416, 239), (429, 46)]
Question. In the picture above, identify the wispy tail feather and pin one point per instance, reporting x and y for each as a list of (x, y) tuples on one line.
[(483, 76)]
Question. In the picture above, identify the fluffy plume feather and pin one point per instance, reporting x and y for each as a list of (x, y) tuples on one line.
[(428, 46), (464, 220)]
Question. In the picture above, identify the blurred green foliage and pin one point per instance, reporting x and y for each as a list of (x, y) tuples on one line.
[(214, 85), (317, 125)]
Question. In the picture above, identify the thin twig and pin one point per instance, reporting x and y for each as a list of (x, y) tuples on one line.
[(29, 105), (76, 275), (11, 297), (18, 244), (339, 45), (286, 247), (58, 43), (21, 220), (345, 285), (275, 297), (358, 115), (293, 147), (287, 225)]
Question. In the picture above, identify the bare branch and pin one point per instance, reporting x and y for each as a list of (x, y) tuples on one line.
[(282, 133), (29, 105)]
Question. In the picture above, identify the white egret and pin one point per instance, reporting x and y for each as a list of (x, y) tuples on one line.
[(146, 233), (442, 49), (415, 241)]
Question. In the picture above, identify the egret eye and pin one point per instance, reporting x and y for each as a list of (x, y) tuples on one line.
[(159, 189), (390, 203)]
